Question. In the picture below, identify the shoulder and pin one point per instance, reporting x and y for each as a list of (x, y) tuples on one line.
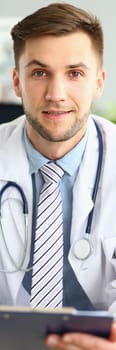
[(106, 125), (8, 130), (108, 132), (108, 129)]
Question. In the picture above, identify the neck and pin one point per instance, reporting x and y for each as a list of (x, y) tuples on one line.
[(55, 150)]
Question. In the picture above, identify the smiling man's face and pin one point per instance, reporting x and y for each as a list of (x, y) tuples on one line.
[(57, 80)]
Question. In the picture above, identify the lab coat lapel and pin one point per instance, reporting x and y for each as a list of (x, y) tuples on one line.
[(15, 169), (83, 188), (82, 193), (82, 202)]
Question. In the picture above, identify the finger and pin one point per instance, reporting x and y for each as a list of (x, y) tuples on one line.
[(113, 332), (56, 342), (88, 342), (52, 341)]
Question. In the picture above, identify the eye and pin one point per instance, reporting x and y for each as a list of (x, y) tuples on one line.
[(75, 74), (39, 74)]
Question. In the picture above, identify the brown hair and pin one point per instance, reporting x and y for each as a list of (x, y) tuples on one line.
[(57, 19)]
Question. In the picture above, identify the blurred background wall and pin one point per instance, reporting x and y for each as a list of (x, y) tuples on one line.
[(106, 11)]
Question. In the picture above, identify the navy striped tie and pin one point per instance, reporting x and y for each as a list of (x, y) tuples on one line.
[(47, 274)]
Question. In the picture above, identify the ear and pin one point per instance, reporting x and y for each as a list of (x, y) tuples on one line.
[(101, 75), (16, 82)]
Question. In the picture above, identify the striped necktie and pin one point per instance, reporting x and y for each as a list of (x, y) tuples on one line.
[(47, 273)]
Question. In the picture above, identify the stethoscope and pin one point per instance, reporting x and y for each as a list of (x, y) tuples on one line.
[(25, 213), (82, 248)]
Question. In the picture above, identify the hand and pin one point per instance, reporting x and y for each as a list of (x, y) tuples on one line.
[(79, 341)]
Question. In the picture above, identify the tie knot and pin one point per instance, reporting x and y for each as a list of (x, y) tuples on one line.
[(51, 173)]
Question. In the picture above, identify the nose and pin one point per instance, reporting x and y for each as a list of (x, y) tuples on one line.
[(56, 90)]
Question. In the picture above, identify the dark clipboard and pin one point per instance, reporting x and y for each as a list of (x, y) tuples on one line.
[(24, 328)]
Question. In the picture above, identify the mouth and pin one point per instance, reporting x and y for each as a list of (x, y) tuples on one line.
[(56, 114)]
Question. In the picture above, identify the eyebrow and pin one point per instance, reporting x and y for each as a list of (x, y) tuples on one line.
[(37, 63), (77, 65), (44, 65)]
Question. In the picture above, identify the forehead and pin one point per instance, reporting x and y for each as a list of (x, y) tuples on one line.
[(62, 50)]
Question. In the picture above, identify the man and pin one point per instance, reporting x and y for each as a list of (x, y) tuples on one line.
[(58, 73)]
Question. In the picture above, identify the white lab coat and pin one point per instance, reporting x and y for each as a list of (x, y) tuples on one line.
[(97, 274)]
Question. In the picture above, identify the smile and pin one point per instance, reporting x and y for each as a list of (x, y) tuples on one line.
[(55, 114)]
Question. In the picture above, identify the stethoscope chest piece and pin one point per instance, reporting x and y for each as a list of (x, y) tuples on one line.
[(82, 249)]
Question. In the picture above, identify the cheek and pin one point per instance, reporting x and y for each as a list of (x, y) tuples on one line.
[(83, 96), (31, 90), (27, 92), (84, 88), (32, 98)]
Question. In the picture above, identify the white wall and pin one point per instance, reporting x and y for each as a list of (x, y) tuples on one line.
[(105, 10)]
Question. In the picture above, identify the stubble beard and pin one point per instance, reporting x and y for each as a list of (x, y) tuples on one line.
[(44, 133)]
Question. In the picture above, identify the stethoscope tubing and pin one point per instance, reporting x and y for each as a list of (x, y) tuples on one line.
[(97, 178), (14, 184), (25, 212)]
